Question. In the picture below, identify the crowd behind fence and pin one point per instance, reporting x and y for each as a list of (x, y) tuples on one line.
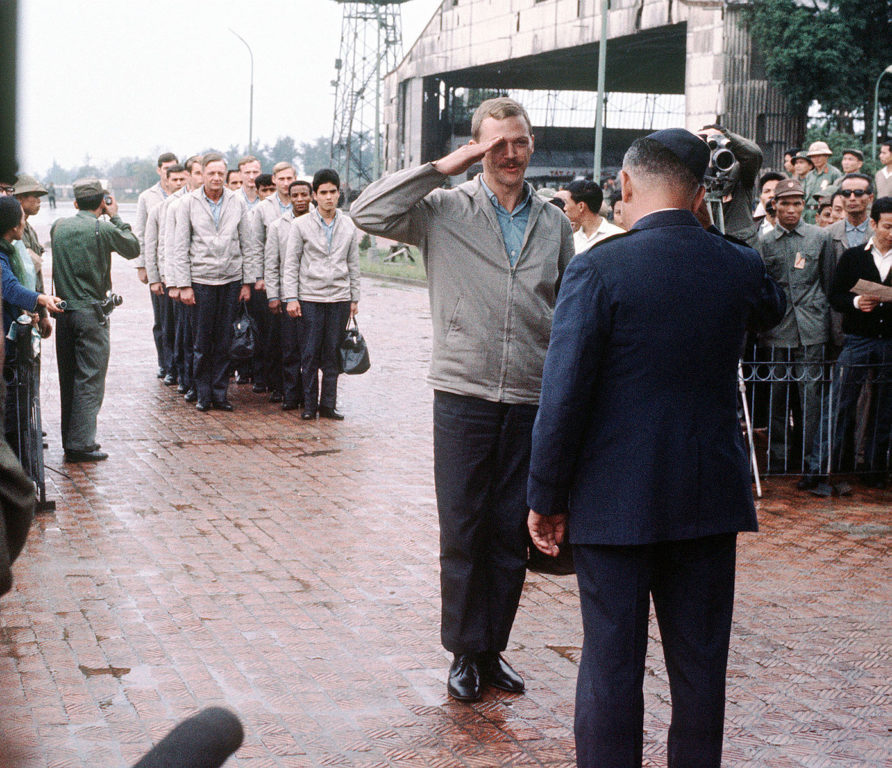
[(818, 416)]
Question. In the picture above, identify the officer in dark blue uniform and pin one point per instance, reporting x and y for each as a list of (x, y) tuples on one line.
[(638, 450)]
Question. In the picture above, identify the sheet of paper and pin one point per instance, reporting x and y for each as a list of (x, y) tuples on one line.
[(878, 290)]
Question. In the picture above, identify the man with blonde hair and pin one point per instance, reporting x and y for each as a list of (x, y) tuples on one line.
[(494, 254), (267, 363), (249, 168)]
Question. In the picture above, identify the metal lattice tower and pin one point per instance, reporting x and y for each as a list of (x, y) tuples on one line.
[(371, 46)]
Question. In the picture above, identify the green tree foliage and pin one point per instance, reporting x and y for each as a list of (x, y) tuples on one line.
[(314, 155), (829, 51)]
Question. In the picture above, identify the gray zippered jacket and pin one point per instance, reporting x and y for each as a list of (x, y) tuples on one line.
[(491, 321)]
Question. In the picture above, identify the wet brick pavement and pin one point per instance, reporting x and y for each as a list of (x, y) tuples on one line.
[(289, 571)]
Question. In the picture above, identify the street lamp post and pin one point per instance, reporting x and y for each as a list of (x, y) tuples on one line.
[(251, 98), (876, 113)]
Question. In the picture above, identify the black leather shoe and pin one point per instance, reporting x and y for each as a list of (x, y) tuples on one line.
[(182, 388), (221, 405), (191, 396), (259, 389), (169, 380), (807, 482), (330, 413), (241, 378), (497, 672), (161, 373), (275, 396), (286, 406), (464, 678), (84, 456), (203, 405), (308, 415)]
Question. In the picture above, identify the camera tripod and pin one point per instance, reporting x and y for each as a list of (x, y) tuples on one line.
[(717, 216)]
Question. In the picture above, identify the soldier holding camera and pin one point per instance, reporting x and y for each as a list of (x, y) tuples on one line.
[(82, 246), (734, 166)]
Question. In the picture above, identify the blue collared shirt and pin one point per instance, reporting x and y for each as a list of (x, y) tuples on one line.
[(251, 203), (329, 228), (513, 224), (856, 235), (216, 208)]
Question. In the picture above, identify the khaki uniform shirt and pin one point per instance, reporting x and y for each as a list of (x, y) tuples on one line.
[(82, 247), (802, 263)]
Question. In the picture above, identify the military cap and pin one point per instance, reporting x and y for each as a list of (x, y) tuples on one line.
[(788, 187), (856, 152), (819, 148), (689, 148), (88, 188), (803, 155), (27, 185)]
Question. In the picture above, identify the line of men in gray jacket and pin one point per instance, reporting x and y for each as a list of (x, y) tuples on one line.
[(206, 248)]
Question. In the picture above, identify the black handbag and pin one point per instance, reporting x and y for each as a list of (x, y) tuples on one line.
[(244, 338), (353, 352)]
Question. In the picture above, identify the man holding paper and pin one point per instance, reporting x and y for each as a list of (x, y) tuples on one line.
[(862, 292)]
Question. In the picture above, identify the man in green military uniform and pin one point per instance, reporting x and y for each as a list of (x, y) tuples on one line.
[(82, 246), (799, 257)]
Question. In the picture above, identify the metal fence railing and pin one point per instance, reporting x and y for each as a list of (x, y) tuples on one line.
[(815, 416)]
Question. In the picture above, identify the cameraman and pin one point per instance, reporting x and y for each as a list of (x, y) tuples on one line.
[(737, 202), (82, 246)]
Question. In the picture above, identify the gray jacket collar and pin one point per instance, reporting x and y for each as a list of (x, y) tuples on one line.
[(474, 189)]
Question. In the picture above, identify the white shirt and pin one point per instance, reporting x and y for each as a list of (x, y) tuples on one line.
[(883, 263), (582, 242), (882, 260)]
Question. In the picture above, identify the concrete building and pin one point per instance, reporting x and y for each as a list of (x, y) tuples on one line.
[(696, 48)]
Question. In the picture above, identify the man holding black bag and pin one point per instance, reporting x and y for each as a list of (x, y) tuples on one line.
[(82, 246), (320, 283)]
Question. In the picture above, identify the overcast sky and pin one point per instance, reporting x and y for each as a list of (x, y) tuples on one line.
[(116, 78)]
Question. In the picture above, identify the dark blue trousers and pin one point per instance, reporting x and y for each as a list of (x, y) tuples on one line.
[(184, 343), (481, 464), (272, 351), (291, 331), (258, 309), (215, 307), (860, 356), (168, 335), (157, 332), (323, 327), (692, 583)]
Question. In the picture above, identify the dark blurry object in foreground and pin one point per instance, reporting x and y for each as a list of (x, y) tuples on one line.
[(205, 740)]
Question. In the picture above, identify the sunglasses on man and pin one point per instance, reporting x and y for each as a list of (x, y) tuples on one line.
[(855, 192)]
